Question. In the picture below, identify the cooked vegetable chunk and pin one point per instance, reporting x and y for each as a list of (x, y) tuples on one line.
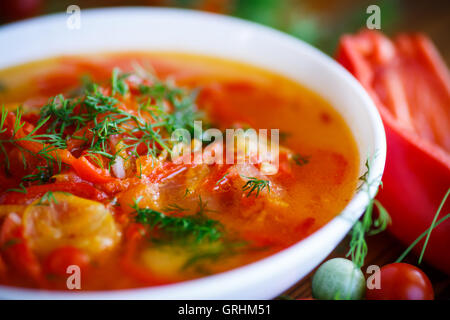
[(65, 219)]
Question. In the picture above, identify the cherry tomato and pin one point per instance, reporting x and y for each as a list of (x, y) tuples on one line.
[(59, 259), (402, 281)]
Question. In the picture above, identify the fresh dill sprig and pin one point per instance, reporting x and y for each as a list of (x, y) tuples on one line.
[(49, 141), (255, 185), (186, 192), (368, 225), (20, 189), (185, 111), (300, 160), (150, 135), (222, 179), (49, 197), (104, 118), (43, 174), (173, 207), (363, 178), (60, 111), (284, 136), (196, 226), (118, 83)]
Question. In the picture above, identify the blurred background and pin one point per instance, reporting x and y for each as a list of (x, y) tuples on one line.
[(319, 22)]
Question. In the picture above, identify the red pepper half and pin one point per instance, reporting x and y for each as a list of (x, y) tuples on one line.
[(410, 84)]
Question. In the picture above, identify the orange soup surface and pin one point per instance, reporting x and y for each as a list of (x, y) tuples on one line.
[(89, 184)]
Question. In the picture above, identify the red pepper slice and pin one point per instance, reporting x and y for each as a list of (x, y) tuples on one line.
[(89, 172), (410, 84), (82, 166), (81, 189)]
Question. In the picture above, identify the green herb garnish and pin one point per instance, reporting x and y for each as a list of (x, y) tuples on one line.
[(49, 197), (118, 83), (368, 225), (255, 185), (300, 160), (197, 227), (222, 179)]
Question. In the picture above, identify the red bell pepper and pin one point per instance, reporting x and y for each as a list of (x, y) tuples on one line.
[(410, 85)]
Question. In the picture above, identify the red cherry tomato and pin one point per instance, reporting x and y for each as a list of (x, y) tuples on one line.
[(59, 259), (402, 281)]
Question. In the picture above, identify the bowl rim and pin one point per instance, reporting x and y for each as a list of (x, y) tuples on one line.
[(341, 223)]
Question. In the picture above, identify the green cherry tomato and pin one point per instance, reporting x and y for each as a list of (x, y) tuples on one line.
[(338, 278)]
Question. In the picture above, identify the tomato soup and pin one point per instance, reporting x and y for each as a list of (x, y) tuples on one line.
[(88, 184)]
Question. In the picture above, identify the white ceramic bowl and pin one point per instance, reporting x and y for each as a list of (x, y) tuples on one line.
[(122, 29)]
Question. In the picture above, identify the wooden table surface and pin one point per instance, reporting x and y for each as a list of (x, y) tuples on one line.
[(383, 249)]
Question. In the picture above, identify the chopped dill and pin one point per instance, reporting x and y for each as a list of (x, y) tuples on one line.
[(368, 225), (185, 111), (222, 179), (186, 192), (300, 160), (11, 242), (49, 141), (21, 189), (173, 207), (284, 136), (43, 174), (255, 185), (118, 84), (49, 197), (363, 178), (197, 227), (94, 119)]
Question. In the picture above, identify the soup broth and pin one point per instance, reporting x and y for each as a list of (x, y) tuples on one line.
[(86, 177)]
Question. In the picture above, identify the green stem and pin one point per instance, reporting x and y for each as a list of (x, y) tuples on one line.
[(420, 238), (432, 225)]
